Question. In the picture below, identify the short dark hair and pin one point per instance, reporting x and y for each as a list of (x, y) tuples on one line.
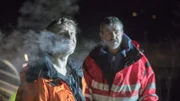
[(56, 25), (111, 20)]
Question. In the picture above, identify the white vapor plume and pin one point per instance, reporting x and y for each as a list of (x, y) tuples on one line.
[(48, 42), (1, 36), (83, 48), (37, 15), (16, 45), (54, 44)]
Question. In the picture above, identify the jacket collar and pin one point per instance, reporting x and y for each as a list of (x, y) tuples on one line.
[(50, 72)]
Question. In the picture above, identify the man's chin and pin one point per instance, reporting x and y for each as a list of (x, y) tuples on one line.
[(113, 46), (65, 53), (69, 52)]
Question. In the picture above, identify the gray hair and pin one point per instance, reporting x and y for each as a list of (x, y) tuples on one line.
[(56, 25), (111, 20)]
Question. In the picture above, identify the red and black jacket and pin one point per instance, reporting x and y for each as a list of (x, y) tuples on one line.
[(127, 76)]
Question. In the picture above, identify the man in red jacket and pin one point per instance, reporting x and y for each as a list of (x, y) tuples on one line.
[(116, 70)]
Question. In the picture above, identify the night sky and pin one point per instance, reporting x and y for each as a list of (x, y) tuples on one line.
[(9, 11), (92, 11)]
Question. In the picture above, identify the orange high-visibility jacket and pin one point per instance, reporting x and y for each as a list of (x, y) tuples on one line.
[(46, 84)]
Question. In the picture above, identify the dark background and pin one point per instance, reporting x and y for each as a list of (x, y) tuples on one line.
[(92, 11)]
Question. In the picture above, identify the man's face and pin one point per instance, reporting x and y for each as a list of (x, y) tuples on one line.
[(111, 35), (62, 42), (68, 36)]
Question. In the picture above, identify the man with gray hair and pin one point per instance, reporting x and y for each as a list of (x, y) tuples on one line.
[(53, 77), (117, 70)]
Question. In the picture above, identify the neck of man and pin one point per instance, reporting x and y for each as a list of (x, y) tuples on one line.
[(60, 64), (114, 51)]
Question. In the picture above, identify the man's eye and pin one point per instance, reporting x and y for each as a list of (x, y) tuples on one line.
[(63, 33), (71, 33), (59, 33)]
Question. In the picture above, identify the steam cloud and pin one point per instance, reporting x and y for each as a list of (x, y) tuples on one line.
[(52, 43), (15, 46)]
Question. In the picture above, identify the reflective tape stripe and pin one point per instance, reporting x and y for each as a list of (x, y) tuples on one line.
[(115, 88), (125, 88), (99, 86), (89, 97), (149, 86), (152, 95), (106, 98)]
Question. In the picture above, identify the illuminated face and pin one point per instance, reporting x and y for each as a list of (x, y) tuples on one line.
[(62, 42), (111, 35), (68, 35)]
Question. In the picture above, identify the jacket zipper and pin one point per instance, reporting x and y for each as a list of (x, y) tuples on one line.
[(112, 66)]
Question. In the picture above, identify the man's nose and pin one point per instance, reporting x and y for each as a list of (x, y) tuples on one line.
[(67, 35), (111, 36)]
